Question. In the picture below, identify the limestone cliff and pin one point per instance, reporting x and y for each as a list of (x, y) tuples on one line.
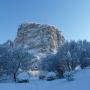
[(38, 38)]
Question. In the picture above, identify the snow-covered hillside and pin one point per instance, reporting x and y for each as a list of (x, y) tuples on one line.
[(81, 82)]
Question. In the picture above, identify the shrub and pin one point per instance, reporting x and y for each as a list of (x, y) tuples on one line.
[(23, 81), (51, 76), (69, 76), (22, 77)]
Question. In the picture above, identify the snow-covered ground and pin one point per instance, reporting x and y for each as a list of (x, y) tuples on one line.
[(81, 82)]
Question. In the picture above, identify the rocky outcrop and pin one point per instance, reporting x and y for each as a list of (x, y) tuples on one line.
[(38, 38)]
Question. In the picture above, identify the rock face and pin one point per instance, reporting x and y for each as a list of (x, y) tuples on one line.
[(38, 38)]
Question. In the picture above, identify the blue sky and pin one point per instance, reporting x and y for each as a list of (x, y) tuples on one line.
[(72, 17)]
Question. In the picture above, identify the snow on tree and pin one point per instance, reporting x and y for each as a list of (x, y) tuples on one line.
[(23, 77), (49, 63), (13, 59)]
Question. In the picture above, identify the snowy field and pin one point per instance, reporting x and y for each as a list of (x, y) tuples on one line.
[(81, 82)]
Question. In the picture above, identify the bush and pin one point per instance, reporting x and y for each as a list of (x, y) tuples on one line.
[(23, 81), (51, 76), (69, 76), (22, 77)]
